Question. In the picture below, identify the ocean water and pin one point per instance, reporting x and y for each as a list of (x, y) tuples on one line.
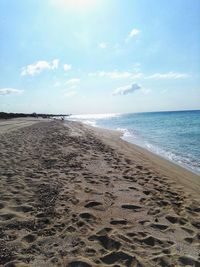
[(173, 135)]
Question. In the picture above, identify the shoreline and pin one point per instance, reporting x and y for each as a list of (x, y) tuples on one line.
[(165, 158), (142, 147), (74, 195), (160, 162)]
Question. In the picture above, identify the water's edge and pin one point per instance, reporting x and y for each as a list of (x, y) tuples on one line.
[(173, 136), (127, 139)]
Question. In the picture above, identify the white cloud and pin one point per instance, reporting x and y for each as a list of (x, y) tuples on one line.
[(134, 32), (103, 45), (169, 75), (73, 82), (9, 91), (137, 74), (127, 89), (67, 67), (39, 66), (54, 64), (116, 74)]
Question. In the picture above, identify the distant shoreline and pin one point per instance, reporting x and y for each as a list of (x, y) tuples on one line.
[(6, 116)]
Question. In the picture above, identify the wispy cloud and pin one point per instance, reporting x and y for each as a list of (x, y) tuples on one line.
[(72, 82), (72, 85), (137, 74), (116, 74), (112, 74), (67, 67), (103, 45), (127, 89), (9, 91), (39, 66), (133, 32), (169, 75)]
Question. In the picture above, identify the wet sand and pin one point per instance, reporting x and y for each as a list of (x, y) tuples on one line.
[(72, 195)]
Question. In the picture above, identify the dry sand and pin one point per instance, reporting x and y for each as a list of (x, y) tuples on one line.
[(14, 124), (71, 195)]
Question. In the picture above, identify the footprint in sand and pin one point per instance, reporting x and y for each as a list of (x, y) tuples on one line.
[(158, 226), (118, 222), (92, 204), (131, 207), (152, 241), (29, 238), (188, 261), (176, 219), (119, 256), (87, 217), (106, 242), (23, 208)]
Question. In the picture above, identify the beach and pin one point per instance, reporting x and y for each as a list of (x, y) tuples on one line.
[(74, 195)]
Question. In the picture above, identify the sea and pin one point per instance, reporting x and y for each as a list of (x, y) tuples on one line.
[(174, 135)]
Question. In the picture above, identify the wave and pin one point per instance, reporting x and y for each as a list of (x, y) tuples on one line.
[(186, 162), (92, 119), (94, 116), (126, 132)]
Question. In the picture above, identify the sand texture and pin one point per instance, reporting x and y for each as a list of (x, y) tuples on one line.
[(14, 124), (74, 196)]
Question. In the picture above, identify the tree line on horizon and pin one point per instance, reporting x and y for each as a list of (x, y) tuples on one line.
[(5, 115)]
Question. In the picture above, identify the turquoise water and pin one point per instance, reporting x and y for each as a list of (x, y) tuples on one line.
[(172, 135)]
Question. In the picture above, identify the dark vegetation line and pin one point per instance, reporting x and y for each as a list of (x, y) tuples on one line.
[(5, 115)]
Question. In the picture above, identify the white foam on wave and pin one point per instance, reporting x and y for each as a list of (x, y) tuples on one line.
[(89, 122), (186, 161), (94, 116), (92, 119), (125, 132), (178, 159)]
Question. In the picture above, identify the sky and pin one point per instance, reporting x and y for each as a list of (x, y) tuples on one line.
[(99, 56)]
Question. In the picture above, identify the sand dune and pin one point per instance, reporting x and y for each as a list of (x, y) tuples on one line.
[(71, 195)]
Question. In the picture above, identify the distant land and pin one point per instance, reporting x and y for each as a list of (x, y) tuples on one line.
[(5, 115)]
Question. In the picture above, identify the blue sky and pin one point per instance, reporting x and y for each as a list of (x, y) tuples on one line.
[(99, 56)]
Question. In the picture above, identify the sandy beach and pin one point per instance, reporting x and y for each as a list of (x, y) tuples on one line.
[(72, 195)]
